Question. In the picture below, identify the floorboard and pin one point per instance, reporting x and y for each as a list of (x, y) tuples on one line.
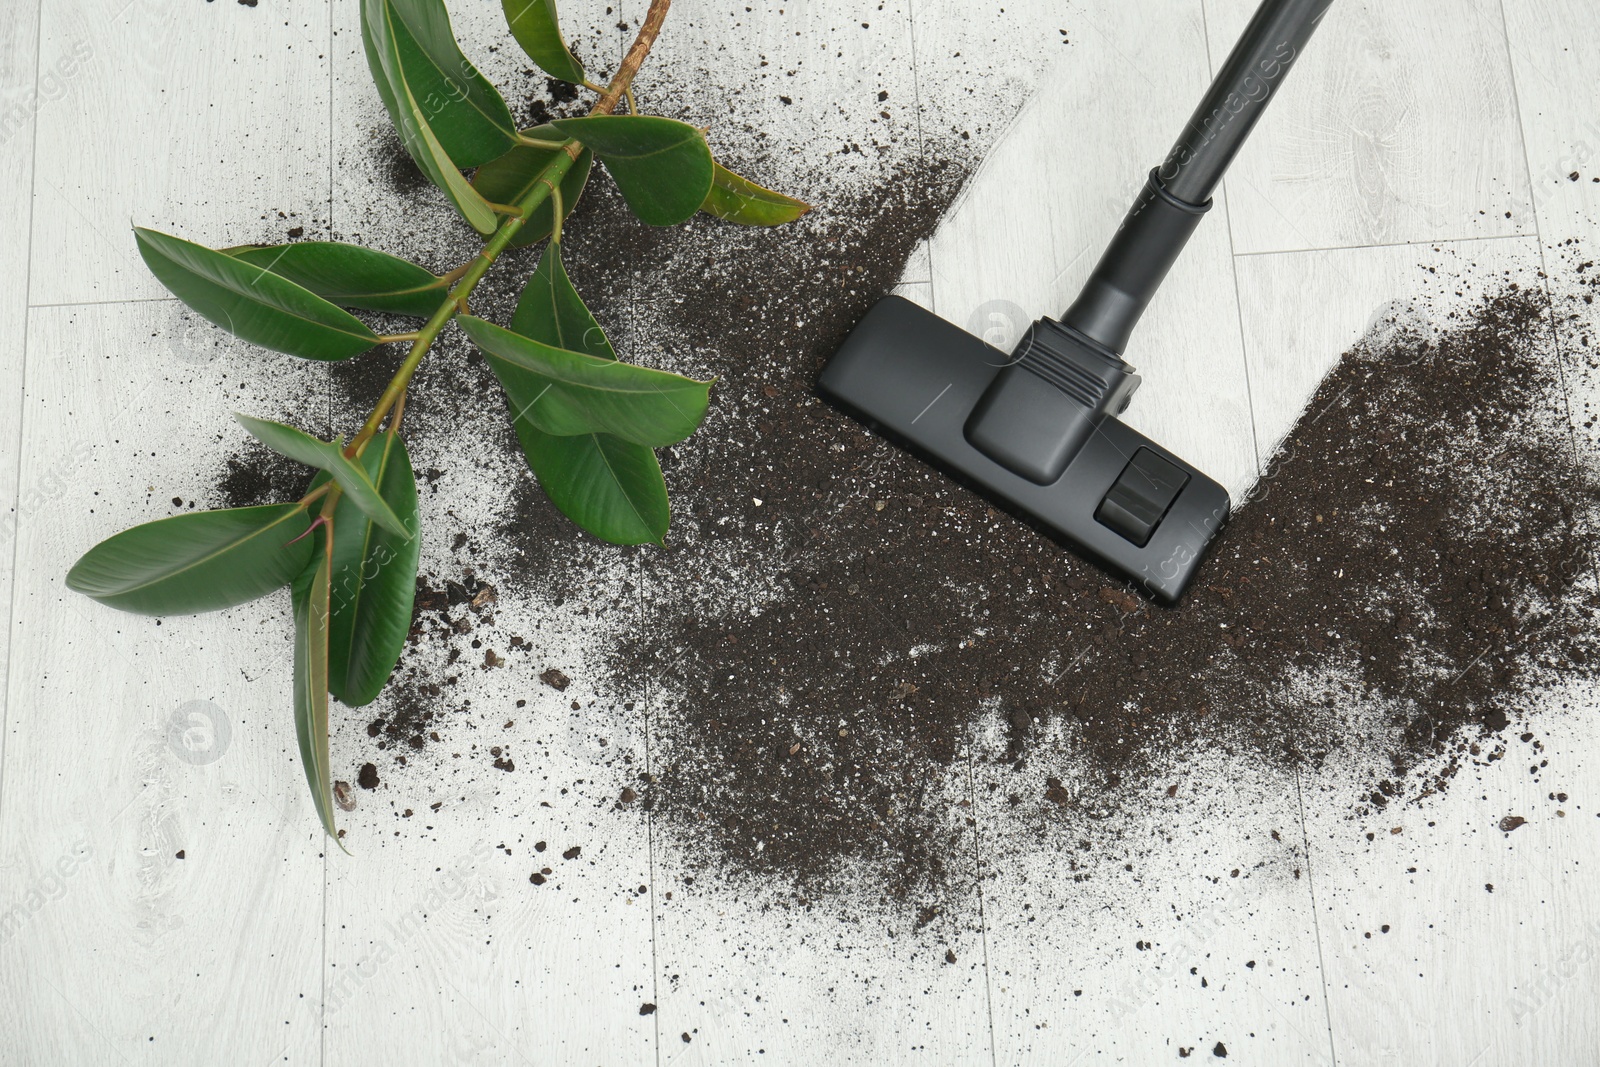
[(1398, 124), (162, 863), (19, 103), (168, 122)]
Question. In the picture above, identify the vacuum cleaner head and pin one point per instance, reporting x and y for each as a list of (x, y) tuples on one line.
[(1037, 430), (1073, 467)]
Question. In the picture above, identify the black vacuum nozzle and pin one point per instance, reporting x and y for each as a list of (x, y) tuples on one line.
[(1119, 497), (1037, 429)]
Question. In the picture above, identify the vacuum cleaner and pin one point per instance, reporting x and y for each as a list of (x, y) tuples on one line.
[(1037, 430)]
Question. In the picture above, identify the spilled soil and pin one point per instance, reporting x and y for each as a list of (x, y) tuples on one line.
[(1403, 580), (833, 623)]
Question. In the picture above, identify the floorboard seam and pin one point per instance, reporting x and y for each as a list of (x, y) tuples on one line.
[(1388, 244), (977, 826), (1255, 439), (22, 407), (1316, 922), (106, 303), (1544, 266), (327, 398)]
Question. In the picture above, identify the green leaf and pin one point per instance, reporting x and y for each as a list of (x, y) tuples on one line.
[(466, 112), (446, 113), (584, 394), (611, 487), (741, 200), (352, 276), (511, 177), (328, 456), (374, 578), (534, 25), (251, 303), (551, 312), (311, 596), (662, 166), (199, 561)]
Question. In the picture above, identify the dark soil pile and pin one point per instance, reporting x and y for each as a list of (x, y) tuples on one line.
[(1405, 577), (833, 623)]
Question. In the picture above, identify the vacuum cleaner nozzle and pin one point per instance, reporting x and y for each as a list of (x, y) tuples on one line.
[(1056, 453), (1038, 430)]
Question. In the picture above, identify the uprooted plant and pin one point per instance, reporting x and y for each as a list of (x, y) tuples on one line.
[(587, 422)]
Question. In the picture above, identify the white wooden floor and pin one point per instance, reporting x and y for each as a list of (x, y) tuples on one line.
[(1437, 134)]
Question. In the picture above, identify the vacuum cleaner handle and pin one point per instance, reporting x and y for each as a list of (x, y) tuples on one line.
[(1178, 193), (1039, 431)]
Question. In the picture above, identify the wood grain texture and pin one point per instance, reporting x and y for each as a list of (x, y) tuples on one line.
[(162, 866), (1199, 932), (1466, 974), (1398, 124), (978, 63), (1067, 982), (170, 120), (784, 985), (781, 984), (19, 102)]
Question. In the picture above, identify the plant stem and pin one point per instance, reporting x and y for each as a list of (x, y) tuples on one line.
[(631, 62), (472, 272), (534, 142), (476, 269), (316, 494), (556, 207), (330, 504)]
